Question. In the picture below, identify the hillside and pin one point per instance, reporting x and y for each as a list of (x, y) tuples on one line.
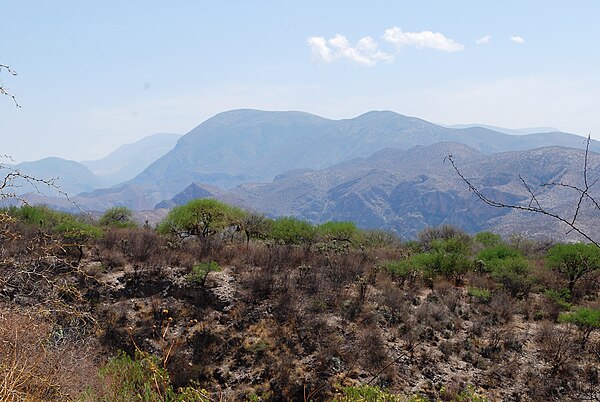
[(111, 312)]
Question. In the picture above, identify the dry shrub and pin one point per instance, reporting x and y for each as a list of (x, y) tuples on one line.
[(373, 351), (557, 347), (394, 302), (33, 369), (501, 308)]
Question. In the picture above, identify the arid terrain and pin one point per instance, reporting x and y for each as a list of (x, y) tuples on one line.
[(95, 311)]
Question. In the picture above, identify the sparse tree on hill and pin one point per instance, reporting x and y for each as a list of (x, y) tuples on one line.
[(201, 217)]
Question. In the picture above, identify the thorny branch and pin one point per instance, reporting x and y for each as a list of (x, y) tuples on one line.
[(535, 206), (3, 89)]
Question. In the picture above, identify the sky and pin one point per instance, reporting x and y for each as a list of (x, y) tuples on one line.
[(95, 75)]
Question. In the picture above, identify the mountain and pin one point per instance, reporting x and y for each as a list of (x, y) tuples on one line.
[(511, 131), (405, 191), (242, 146), (71, 177), (129, 160)]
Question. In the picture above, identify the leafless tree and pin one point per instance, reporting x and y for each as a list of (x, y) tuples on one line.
[(534, 205)]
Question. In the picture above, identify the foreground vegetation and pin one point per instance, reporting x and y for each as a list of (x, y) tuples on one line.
[(220, 304)]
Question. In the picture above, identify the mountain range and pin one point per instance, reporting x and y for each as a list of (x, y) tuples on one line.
[(244, 146), (405, 191), (380, 169)]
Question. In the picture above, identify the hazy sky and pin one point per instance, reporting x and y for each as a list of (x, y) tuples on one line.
[(94, 75)]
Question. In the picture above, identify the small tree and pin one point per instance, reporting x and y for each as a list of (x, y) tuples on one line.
[(77, 234), (344, 231), (201, 217), (574, 261), (586, 319), (288, 230), (448, 258), (200, 272), (401, 271), (121, 217), (256, 226)]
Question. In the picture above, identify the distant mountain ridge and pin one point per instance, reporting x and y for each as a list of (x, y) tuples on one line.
[(242, 146), (511, 131), (71, 177), (129, 160)]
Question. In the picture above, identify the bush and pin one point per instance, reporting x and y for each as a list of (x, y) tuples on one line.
[(444, 232), (201, 271), (482, 295), (143, 379), (573, 261), (288, 230), (376, 238), (401, 271), (202, 218), (586, 319), (513, 274), (40, 215), (121, 217), (493, 257), (488, 239), (338, 231), (448, 258), (367, 393), (256, 226)]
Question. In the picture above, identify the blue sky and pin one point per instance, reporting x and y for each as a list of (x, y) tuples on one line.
[(94, 75)]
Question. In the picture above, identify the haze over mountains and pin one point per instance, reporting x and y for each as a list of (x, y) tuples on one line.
[(380, 169)]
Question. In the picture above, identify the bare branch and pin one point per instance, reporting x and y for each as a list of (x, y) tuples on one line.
[(534, 205), (3, 89)]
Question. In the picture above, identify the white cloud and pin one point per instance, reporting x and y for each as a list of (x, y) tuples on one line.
[(366, 51), (484, 40), (423, 39), (517, 39), (319, 49)]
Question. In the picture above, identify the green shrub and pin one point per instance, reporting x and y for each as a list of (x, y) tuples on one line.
[(377, 238), (256, 226), (39, 215), (339, 231), (514, 275), (121, 217), (288, 230), (585, 318), (482, 295), (448, 258), (573, 261), (488, 239), (443, 232), (201, 217), (560, 297), (78, 232), (143, 379), (367, 393), (200, 272), (401, 271), (494, 256)]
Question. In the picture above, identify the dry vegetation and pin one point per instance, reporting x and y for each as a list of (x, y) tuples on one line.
[(116, 312)]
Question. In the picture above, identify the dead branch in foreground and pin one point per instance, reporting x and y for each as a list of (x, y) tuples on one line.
[(3, 89), (535, 206)]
